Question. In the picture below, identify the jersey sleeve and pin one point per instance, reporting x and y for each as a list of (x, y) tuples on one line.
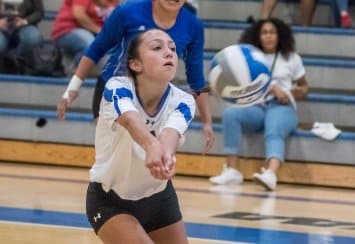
[(194, 59), (181, 116), (297, 67), (117, 99), (111, 33)]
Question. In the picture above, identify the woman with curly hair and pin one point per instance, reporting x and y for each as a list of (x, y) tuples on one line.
[(277, 116)]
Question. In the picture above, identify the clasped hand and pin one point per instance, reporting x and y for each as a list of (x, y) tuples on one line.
[(64, 103), (160, 163)]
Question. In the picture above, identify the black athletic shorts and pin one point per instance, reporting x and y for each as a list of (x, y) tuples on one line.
[(154, 212), (96, 100)]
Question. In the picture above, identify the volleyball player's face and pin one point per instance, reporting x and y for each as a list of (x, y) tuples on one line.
[(158, 55), (268, 37), (171, 5)]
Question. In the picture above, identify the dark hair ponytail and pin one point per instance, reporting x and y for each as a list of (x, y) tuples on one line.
[(132, 52)]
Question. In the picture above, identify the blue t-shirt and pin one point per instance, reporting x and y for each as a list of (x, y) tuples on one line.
[(133, 17)]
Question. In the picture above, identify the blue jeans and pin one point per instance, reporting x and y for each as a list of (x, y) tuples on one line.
[(29, 36), (338, 6), (4, 42), (277, 121), (75, 42), (23, 39)]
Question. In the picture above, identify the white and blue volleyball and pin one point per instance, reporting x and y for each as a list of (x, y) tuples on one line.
[(239, 76)]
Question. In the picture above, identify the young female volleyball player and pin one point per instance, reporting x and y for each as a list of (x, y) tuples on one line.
[(130, 197), (124, 23), (278, 116)]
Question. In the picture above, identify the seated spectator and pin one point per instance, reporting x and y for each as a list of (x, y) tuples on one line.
[(77, 23), (307, 9), (277, 116), (18, 28), (341, 14)]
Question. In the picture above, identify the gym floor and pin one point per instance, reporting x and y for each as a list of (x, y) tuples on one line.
[(46, 204)]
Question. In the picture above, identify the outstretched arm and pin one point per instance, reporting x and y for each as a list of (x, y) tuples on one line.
[(105, 40), (169, 138), (205, 113), (155, 153), (195, 78), (301, 89), (72, 90)]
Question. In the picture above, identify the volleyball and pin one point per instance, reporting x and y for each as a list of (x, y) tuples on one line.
[(239, 76)]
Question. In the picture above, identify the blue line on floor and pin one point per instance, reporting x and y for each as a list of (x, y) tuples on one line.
[(195, 230)]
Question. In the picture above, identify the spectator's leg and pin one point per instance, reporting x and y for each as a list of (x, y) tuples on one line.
[(4, 43), (342, 5), (280, 121), (235, 120), (75, 43), (4, 46), (307, 9), (336, 13), (28, 37), (345, 19), (267, 7)]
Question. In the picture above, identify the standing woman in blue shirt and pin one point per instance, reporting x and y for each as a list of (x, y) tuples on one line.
[(126, 21)]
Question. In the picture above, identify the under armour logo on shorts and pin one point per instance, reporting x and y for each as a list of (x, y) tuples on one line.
[(98, 216)]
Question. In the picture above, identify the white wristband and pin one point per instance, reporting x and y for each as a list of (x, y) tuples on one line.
[(66, 95), (74, 85)]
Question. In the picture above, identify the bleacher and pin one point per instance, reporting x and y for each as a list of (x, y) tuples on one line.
[(31, 133)]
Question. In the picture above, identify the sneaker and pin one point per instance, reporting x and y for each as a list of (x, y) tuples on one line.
[(229, 176), (267, 178), (345, 21)]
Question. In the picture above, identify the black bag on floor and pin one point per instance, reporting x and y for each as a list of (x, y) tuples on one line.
[(44, 59), (8, 63)]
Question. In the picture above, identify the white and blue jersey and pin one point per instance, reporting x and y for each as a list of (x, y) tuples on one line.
[(127, 20), (120, 162)]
